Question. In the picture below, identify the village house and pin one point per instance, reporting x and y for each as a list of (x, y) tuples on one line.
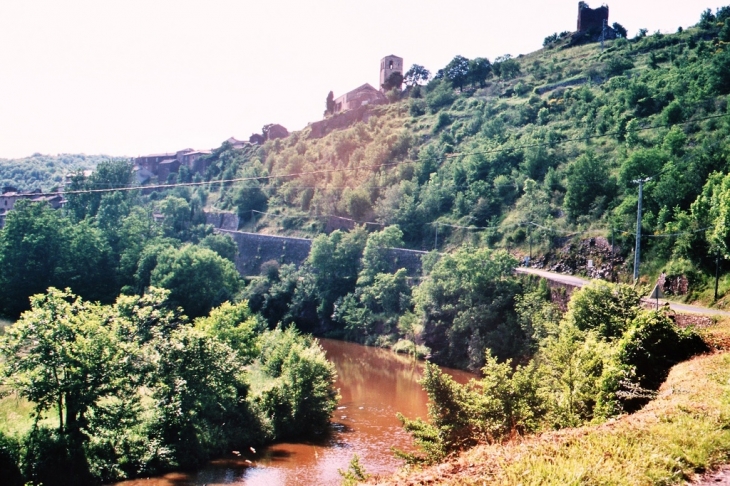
[(366, 94), (11, 196), (363, 95)]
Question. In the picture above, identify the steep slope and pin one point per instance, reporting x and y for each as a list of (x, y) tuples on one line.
[(545, 149)]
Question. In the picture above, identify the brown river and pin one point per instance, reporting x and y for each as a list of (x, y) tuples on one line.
[(374, 385)]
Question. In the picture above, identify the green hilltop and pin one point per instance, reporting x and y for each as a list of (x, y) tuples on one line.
[(539, 147)]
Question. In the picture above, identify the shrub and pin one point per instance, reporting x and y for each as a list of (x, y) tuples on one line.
[(416, 107), (604, 307), (617, 65), (442, 96), (443, 120), (651, 346)]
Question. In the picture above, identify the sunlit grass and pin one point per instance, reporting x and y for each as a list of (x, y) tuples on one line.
[(684, 431)]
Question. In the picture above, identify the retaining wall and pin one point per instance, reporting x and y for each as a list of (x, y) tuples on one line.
[(254, 249)]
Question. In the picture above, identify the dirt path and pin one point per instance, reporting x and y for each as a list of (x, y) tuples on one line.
[(719, 477)]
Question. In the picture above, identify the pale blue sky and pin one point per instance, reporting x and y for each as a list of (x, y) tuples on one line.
[(133, 77)]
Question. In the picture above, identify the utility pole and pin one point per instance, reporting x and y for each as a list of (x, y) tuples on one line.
[(717, 271), (613, 237), (637, 251), (603, 33), (436, 239), (530, 233)]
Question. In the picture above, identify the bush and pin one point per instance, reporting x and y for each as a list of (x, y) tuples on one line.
[(442, 96), (416, 108), (651, 346), (617, 65), (604, 307), (673, 113), (443, 120), (719, 74)]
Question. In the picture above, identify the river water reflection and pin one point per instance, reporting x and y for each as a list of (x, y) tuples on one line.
[(374, 385)]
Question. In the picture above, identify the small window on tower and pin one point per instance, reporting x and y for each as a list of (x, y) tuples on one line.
[(390, 66)]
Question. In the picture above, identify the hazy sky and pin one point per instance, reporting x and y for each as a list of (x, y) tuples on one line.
[(134, 77)]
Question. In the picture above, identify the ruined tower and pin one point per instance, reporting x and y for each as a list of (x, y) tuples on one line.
[(389, 65), (591, 19)]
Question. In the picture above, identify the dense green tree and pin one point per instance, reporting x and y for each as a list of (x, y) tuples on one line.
[(198, 278), (457, 71), (330, 104), (65, 354), (108, 175), (222, 244), (604, 307), (235, 325), (375, 258), (335, 262), (479, 70), (249, 197), (588, 181), (416, 75), (300, 396), (466, 303), (32, 252)]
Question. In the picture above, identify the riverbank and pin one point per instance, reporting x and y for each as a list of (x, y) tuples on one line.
[(682, 433)]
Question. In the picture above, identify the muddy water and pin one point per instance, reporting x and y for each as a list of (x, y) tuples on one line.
[(374, 384)]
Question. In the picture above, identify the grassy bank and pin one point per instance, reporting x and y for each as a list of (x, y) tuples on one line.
[(684, 431)]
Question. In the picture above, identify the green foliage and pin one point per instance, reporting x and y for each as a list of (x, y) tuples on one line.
[(249, 197), (355, 473), (504, 401), (222, 244), (651, 346), (588, 186), (335, 261), (416, 75), (603, 307), (617, 65), (299, 396), (374, 257), (40, 247), (719, 74), (440, 96), (45, 172), (58, 344), (198, 278), (109, 174), (235, 325), (137, 390), (457, 72), (466, 304)]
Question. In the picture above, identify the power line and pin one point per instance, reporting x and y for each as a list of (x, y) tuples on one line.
[(222, 181), (365, 167)]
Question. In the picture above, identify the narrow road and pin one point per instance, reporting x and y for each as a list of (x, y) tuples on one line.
[(580, 282)]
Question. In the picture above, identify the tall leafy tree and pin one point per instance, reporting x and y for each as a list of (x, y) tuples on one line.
[(65, 354), (457, 71), (32, 251), (479, 70), (417, 74), (588, 180), (198, 278), (466, 304)]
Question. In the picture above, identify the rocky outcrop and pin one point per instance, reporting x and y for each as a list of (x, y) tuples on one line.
[(592, 257)]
